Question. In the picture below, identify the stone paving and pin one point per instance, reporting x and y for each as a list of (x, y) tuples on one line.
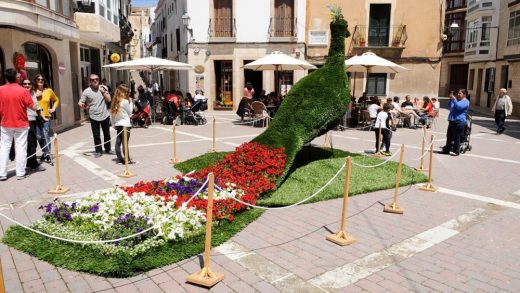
[(285, 250)]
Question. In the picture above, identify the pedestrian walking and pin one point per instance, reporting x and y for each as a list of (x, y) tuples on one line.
[(95, 98), (384, 120), (457, 122), (502, 108), (14, 101), (120, 112)]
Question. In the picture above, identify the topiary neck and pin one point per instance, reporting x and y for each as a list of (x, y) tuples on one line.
[(338, 29)]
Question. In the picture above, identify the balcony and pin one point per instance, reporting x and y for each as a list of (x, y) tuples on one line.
[(126, 32), (455, 4), (483, 6), (387, 41), (27, 15), (283, 29), (222, 29)]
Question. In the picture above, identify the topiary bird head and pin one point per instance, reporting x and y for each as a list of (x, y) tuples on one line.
[(337, 19)]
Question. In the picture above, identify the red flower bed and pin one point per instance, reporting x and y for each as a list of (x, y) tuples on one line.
[(253, 168)]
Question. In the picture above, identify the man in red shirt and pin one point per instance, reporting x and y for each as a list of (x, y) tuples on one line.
[(14, 101)]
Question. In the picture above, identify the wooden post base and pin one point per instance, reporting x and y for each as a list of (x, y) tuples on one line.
[(173, 161), (421, 169), (127, 174), (341, 238), (393, 208), (59, 189), (205, 277), (429, 187)]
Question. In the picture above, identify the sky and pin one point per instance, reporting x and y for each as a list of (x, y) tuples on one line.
[(144, 3)]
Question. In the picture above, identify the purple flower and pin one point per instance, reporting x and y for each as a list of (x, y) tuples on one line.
[(94, 208)]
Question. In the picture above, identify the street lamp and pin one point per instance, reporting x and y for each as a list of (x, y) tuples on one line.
[(450, 31), (86, 3), (186, 19)]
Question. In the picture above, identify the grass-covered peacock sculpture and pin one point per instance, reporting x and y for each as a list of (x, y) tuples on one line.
[(316, 103)]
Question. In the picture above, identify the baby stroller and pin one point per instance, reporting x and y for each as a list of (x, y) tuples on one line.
[(172, 110), (464, 139), (141, 116), (194, 115)]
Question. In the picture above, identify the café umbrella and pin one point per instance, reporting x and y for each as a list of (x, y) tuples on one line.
[(371, 63), (278, 61)]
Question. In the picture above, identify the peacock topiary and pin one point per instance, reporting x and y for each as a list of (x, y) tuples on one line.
[(316, 103)]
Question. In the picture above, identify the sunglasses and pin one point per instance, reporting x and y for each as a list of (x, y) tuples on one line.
[(26, 83), (39, 79), (94, 79)]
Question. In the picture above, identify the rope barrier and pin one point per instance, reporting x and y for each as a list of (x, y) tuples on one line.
[(295, 204), (100, 241), (28, 157), (425, 153), (377, 165), (103, 143)]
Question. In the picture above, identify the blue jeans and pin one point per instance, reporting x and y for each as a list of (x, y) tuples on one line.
[(42, 133)]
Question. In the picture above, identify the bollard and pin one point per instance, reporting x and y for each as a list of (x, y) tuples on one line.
[(206, 277), (421, 163), (59, 189), (429, 186), (126, 173), (213, 146), (342, 237), (174, 161), (378, 153), (394, 206), (2, 286), (326, 143)]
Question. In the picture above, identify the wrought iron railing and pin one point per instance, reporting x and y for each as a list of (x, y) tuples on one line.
[(455, 4), (380, 36), (222, 27), (283, 27)]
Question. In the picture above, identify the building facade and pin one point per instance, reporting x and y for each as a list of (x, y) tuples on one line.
[(219, 36), (391, 30), (493, 51), (48, 37), (454, 69)]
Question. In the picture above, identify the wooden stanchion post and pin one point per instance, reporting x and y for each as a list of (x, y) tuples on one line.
[(174, 158), (326, 143), (213, 146), (206, 277), (378, 153), (59, 189), (394, 206), (421, 162), (342, 237), (126, 173), (2, 286), (429, 186)]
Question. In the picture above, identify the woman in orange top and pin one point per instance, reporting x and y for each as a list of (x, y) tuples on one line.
[(426, 110), (46, 97)]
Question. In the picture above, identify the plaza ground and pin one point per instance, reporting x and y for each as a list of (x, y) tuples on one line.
[(461, 238)]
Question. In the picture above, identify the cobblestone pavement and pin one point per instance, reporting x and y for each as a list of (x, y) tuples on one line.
[(463, 238)]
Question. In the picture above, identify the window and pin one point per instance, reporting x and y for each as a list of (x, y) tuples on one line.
[(472, 34), (178, 39), (504, 76), (38, 61), (284, 18), (485, 35), (456, 38), (455, 4), (223, 18), (513, 35), (376, 84), (471, 78), (379, 25), (109, 10), (171, 42)]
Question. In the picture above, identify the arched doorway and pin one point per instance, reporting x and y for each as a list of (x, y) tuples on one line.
[(38, 60), (2, 67)]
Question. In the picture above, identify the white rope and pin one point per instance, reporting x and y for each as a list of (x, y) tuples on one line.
[(42, 148), (248, 122), (101, 241), (103, 143), (425, 153), (295, 204), (377, 165)]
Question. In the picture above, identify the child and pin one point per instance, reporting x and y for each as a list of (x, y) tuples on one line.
[(384, 120)]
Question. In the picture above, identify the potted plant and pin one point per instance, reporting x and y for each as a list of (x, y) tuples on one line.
[(398, 36), (361, 40)]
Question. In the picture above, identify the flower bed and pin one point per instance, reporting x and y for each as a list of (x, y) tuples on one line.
[(164, 210)]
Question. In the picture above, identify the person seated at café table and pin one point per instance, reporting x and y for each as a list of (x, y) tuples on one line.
[(436, 104), (407, 102), (426, 111), (398, 111), (373, 108)]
